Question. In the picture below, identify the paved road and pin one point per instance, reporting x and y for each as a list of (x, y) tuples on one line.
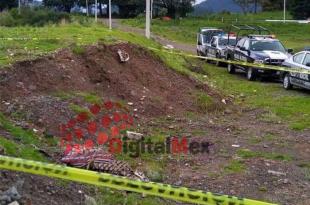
[(180, 46)]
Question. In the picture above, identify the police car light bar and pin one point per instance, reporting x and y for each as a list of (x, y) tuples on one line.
[(262, 36)]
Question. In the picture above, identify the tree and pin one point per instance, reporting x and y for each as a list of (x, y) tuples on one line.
[(176, 8), (245, 5), (5, 4), (272, 5), (62, 5), (300, 9)]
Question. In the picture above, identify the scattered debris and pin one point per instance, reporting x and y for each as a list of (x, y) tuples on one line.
[(169, 47), (123, 55), (235, 145), (276, 173), (134, 135), (90, 200), (9, 196)]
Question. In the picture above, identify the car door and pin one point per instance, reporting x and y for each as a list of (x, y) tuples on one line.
[(306, 77), (199, 42), (296, 62), (244, 54), (212, 48), (238, 53)]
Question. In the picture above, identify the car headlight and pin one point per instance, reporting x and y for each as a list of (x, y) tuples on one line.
[(259, 61)]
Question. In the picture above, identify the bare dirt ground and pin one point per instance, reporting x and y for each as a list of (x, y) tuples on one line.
[(250, 157)]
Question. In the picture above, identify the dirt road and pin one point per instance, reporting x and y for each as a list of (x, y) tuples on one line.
[(177, 45)]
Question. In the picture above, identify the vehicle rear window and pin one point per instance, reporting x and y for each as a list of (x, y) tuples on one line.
[(298, 58), (224, 42), (307, 59), (208, 35)]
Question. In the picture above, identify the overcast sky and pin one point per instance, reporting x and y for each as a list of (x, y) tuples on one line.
[(199, 1)]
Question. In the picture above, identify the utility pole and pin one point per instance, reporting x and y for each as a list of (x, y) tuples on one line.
[(284, 11), (255, 6), (110, 15), (87, 10), (152, 9), (148, 19), (19, 6), (96, 10)]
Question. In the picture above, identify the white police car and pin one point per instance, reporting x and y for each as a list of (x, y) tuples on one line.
[(218, 46), (204, 37), (299, 60)]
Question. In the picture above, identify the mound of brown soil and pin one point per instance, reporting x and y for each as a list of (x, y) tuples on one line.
[(144, 80)]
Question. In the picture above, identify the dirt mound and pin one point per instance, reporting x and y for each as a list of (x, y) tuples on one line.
[(153, 88)]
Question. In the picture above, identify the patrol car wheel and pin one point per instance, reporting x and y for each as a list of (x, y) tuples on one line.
[(251, 74), (218, 63), (287, 82), (231, 68)]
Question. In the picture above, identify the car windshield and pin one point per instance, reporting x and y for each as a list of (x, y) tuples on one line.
[(208, 35), (224, 42), (267, 46)]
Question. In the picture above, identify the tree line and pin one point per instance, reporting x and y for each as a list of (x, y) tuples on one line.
[(300, 9)]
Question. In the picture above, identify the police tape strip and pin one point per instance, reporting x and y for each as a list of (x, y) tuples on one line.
[(32, 39), (122, 183), (258, 66)]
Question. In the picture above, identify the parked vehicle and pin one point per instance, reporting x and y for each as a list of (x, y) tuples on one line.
[(204, 37), (299, 60), (257, 49), (218, 46)]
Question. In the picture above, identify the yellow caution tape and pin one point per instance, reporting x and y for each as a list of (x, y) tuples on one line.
[(253, 65), (123, 183), (32, 39)]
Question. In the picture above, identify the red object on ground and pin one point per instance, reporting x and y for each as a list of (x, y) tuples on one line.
[(166, 18)]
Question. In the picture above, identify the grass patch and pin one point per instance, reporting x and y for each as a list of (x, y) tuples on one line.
[(246, 154), (78, 109), (111, 197), (291, 107), (206, 103), (78, 50), (24, 136), (90, 97), (235, 166)]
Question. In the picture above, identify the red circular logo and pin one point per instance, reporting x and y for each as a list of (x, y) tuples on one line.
[(96, 127)]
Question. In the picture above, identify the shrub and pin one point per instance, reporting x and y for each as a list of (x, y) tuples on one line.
[(32, 17)]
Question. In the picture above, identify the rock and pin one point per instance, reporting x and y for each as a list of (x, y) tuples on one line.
[(235, 145), (130, 103), (178, 183), (134, 135), (14, 203), (90, 200)]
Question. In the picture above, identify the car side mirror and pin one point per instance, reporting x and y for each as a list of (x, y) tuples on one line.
[(308, 64), (243, 49), (290, 50), (199, 43)]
